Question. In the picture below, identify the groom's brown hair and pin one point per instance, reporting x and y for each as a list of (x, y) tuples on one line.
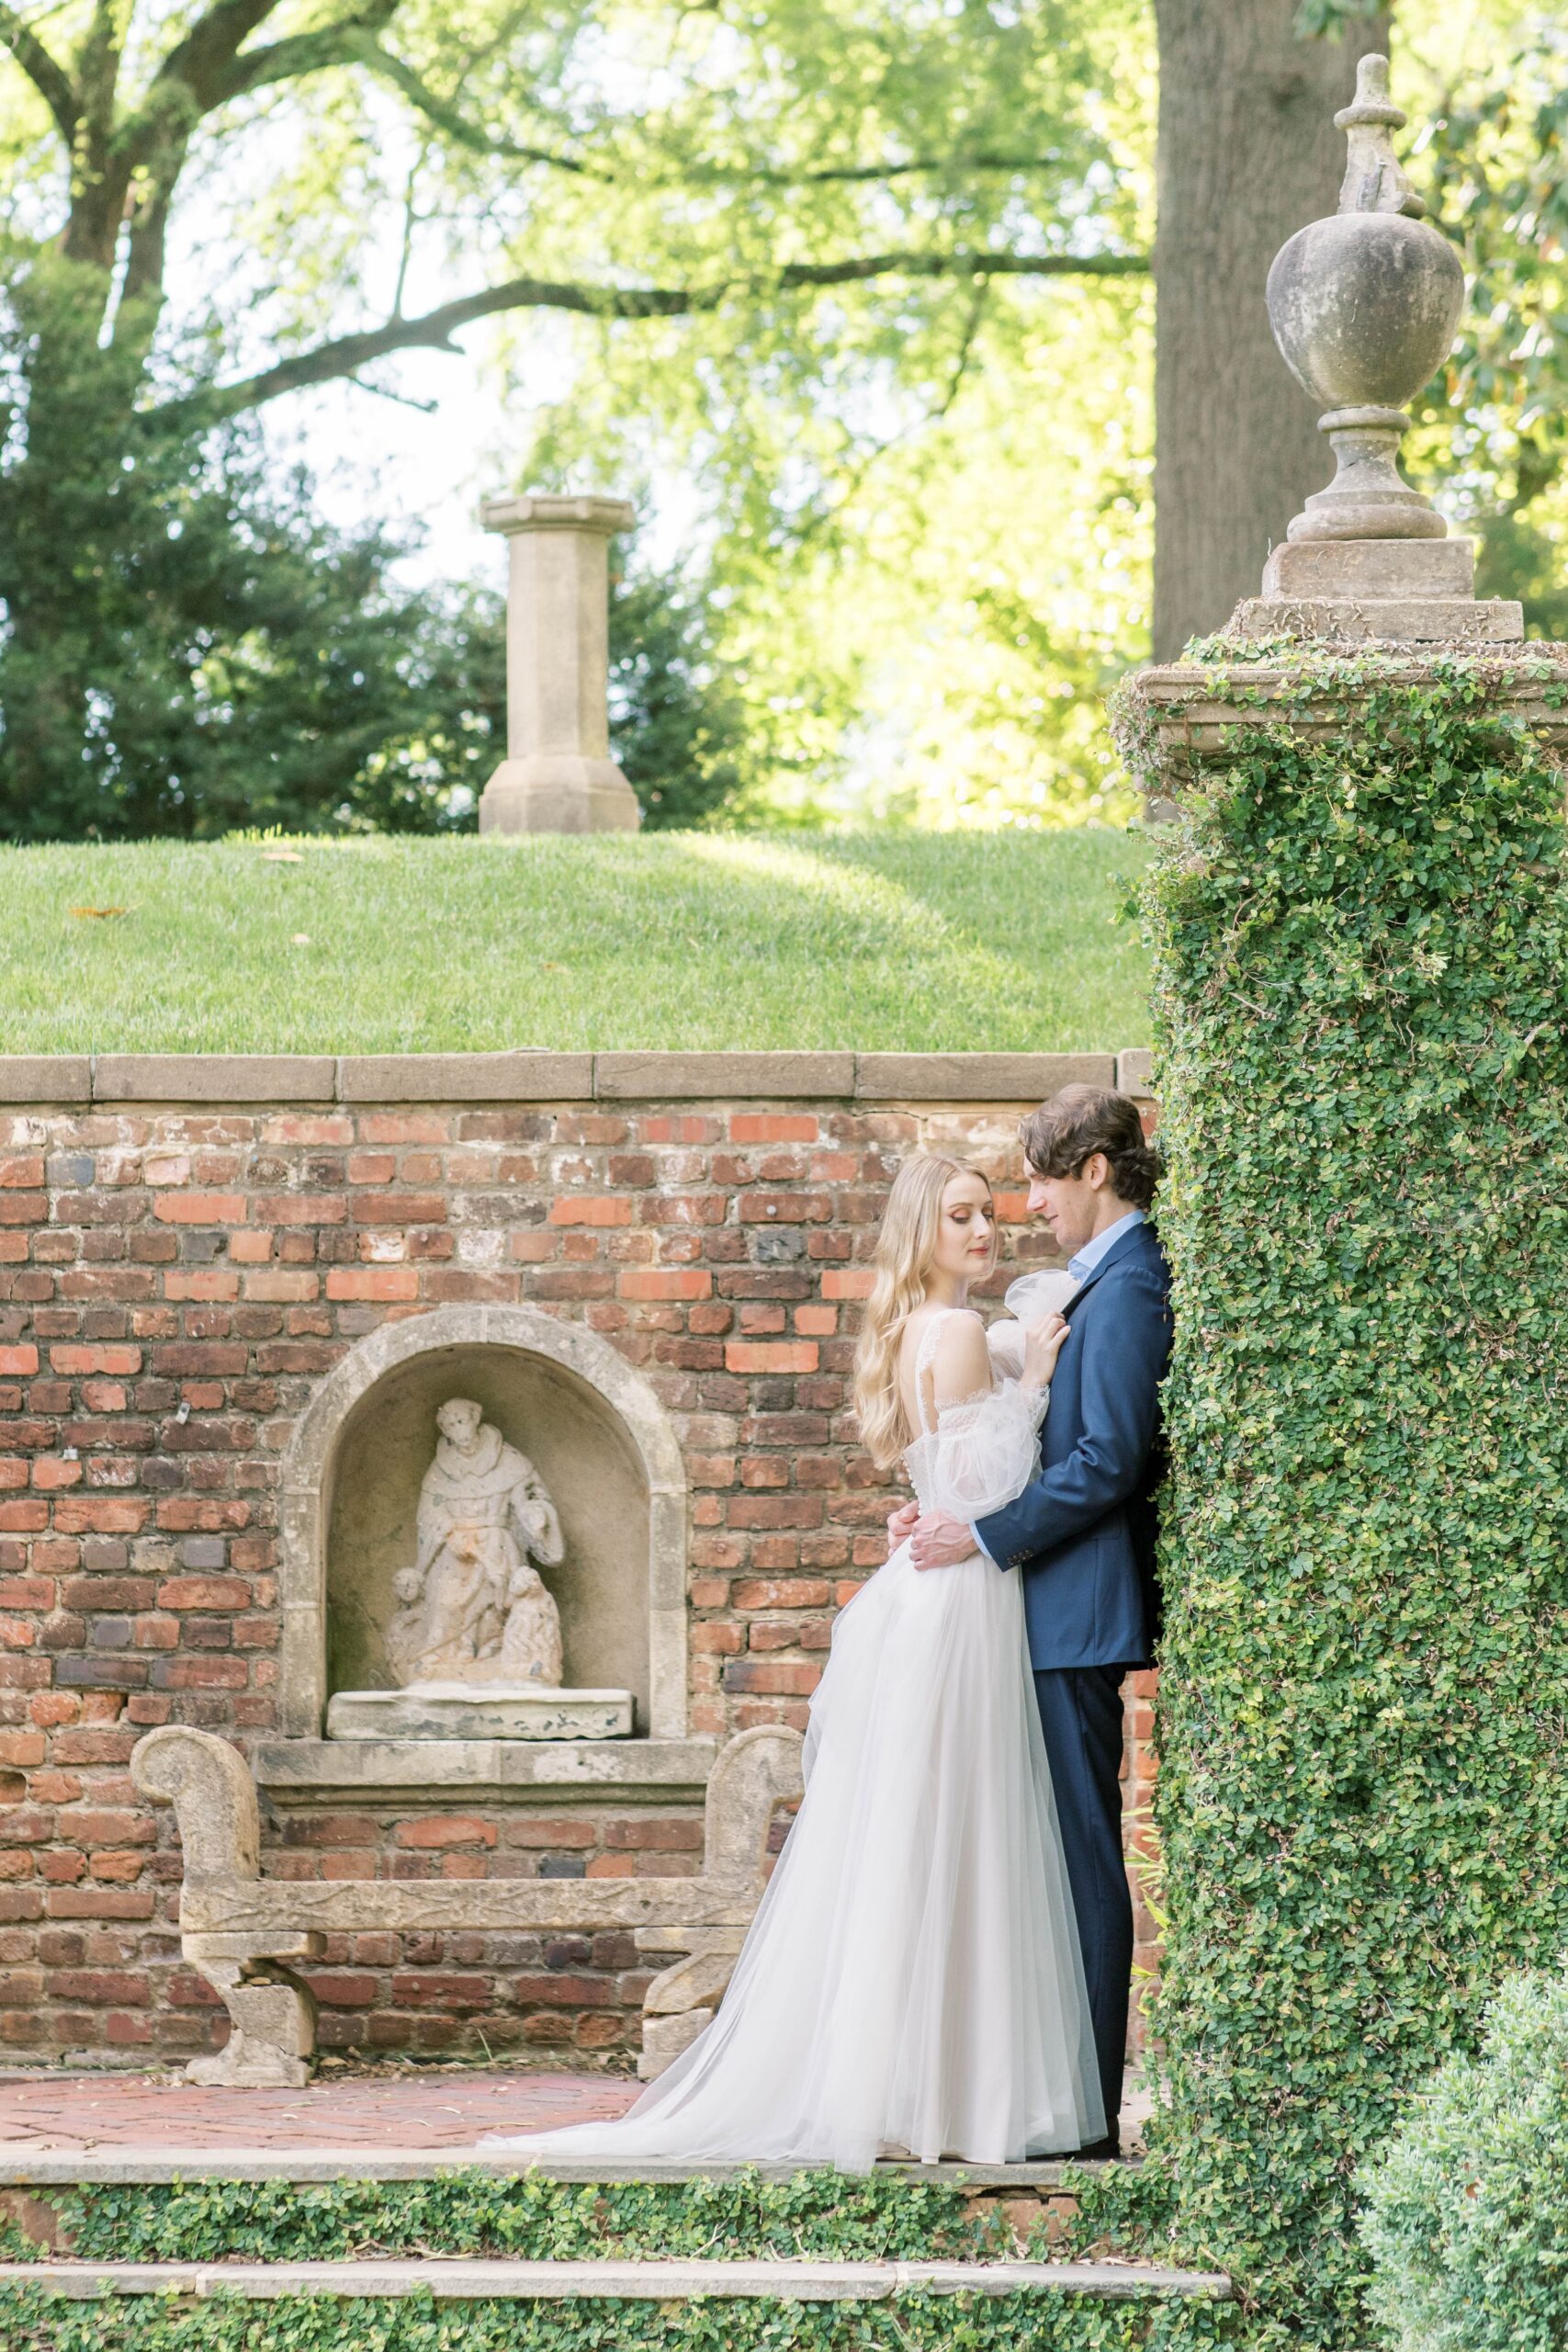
[(1081, 1120)]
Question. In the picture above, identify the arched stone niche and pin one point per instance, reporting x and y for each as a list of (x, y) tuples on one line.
[(594, 1429)]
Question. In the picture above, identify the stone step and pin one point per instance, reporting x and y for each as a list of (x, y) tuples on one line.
[(457, 2279), (158, 2163)]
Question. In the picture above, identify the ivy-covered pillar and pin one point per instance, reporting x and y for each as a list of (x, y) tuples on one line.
[(1361, 950)]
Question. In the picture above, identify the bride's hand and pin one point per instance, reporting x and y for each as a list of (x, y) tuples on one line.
[(901, 1526), (1042, 1346)]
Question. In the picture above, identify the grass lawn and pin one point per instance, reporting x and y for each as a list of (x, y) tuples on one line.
[(958, 941)]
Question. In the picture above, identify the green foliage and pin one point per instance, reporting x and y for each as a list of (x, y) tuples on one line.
[(529, 2217), (186, 647), (676, 725), (906, 943), (908, 2323), (1467, 2208), (1359, 944)]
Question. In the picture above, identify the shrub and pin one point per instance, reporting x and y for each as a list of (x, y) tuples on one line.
[(1467, 2209)]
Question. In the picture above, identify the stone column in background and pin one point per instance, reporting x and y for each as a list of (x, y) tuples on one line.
[(557, 776)]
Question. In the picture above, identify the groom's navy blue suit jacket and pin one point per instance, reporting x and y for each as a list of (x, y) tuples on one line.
[(1083, 1534)]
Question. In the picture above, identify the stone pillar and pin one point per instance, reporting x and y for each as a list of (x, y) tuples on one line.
[(557, 776)]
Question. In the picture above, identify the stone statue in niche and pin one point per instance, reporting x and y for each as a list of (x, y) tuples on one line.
[(474, 1607)]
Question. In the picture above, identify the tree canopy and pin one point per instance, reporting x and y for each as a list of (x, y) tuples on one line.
[(871, 277)]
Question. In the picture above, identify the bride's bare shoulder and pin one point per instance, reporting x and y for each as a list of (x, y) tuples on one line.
[(961, 1362)]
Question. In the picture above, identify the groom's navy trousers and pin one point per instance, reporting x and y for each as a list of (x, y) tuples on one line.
[(1082, 1537)]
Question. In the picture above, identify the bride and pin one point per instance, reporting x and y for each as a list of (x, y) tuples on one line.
[(912, 1981)]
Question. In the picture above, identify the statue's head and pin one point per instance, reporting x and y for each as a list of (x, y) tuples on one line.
[(459, 1421)]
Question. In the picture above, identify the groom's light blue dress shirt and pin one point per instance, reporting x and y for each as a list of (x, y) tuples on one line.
[(1080, 1267)]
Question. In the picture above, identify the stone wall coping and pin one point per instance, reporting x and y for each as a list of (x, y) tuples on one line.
[(429, 1771), (660, 2278), (529, 1076), (153, 2162)]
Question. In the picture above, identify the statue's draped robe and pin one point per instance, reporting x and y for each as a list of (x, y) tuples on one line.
[(484, 1613)]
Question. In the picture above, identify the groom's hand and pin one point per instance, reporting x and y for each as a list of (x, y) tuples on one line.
[(941, 1541)]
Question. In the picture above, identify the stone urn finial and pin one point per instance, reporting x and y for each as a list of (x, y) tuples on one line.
[(1363, 307)]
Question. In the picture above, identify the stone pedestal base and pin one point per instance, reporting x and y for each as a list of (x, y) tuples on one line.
[(1394, 591), (479, 1711), (559, 793)]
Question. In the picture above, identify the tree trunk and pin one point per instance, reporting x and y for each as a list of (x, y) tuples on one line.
[(1248, 155)]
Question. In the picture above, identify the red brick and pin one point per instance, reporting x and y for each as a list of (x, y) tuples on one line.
[(665, 1282), (100, 1515), (201, 1208), (282, 1286), (752, 1511), (775, 1678), (793, 1593), (664, 1837), (200, 1283), (592, 1209), (21, 1168), (711, 1638), (786, 1208), (99, 1903), (50, 1473), (74, 1359), (773, 1127), (442, 1831), (204, 1592), (373, 1281), (770, 1355), (20, 1359), (848, 1282), (819, 1322), (566, 1992), (343, 1988), (311, 1206), (402, 1208)]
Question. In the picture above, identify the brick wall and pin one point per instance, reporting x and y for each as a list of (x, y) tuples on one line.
[(174, 1277)]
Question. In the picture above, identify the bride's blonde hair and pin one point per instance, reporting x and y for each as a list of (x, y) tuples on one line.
[(906, 1246)]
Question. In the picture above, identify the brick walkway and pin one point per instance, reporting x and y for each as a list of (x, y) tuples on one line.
[(436, 2109)]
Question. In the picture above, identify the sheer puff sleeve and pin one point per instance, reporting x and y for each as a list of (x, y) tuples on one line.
[(983, 1452)]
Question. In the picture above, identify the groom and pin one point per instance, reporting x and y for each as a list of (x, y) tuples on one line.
[(1083, 1535)]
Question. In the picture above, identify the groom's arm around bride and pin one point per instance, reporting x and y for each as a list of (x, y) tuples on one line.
[(1082, 1535)]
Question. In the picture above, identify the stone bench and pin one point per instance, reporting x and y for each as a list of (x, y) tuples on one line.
[(247, 1934)]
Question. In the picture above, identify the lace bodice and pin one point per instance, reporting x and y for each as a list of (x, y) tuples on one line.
[(980, 1452)]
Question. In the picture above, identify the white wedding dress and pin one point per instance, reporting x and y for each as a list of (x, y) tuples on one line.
[(912, 1979)]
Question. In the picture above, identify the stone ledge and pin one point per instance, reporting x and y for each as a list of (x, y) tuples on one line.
[(454, 2278), (636, 1078), (214, 1078), (429, 1770), (524, 1077), (530, 1076), (977, 1077), (156, 2163), (46, 1078)]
